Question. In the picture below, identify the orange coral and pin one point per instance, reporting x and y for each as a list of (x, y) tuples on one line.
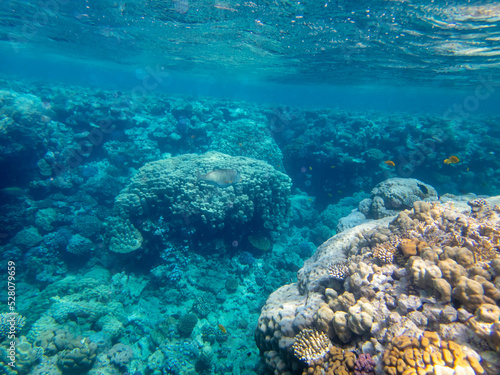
[(408, 355)]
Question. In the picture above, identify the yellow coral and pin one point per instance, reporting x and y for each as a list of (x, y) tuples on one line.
[(429, 355)]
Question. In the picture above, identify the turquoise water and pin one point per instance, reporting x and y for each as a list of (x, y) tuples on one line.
[(166, 165)]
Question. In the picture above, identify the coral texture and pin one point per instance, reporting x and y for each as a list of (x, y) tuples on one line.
[(310, 345), (120, 354), (10, 324), (439, 259), (169, 189), (429, 355)]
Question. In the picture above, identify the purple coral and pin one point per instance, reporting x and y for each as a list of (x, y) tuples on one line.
[(365, 365)]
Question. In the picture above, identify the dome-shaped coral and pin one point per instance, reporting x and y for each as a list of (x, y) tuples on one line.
[(172, 192)]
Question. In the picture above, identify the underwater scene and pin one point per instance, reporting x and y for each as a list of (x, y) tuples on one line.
[(237, 187)]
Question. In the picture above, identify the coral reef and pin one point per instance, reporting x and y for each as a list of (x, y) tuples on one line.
[(440, 260), (71, 202)]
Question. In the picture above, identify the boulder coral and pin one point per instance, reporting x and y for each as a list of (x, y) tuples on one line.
[(486, 324), (395, 194), (168, 191), (361, 317)]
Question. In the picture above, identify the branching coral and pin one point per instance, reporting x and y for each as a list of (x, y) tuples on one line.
[(10, 323), (338, 271), (478, 232), (311, 346), (386, 250)]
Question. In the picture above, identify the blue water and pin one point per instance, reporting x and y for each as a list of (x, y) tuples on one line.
[(126, 247)]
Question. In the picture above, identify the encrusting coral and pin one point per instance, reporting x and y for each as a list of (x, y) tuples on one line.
[(428, 355)]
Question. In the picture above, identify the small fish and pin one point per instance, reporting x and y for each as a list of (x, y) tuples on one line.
[(451, 160), (222, 329), (390, 163), (220, 177)]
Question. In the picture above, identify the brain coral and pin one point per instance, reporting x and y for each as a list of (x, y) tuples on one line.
[(169, 189)]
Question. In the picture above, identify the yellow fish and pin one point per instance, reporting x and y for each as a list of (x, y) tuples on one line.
[(390, 163), (451, 160), (222, 329)]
